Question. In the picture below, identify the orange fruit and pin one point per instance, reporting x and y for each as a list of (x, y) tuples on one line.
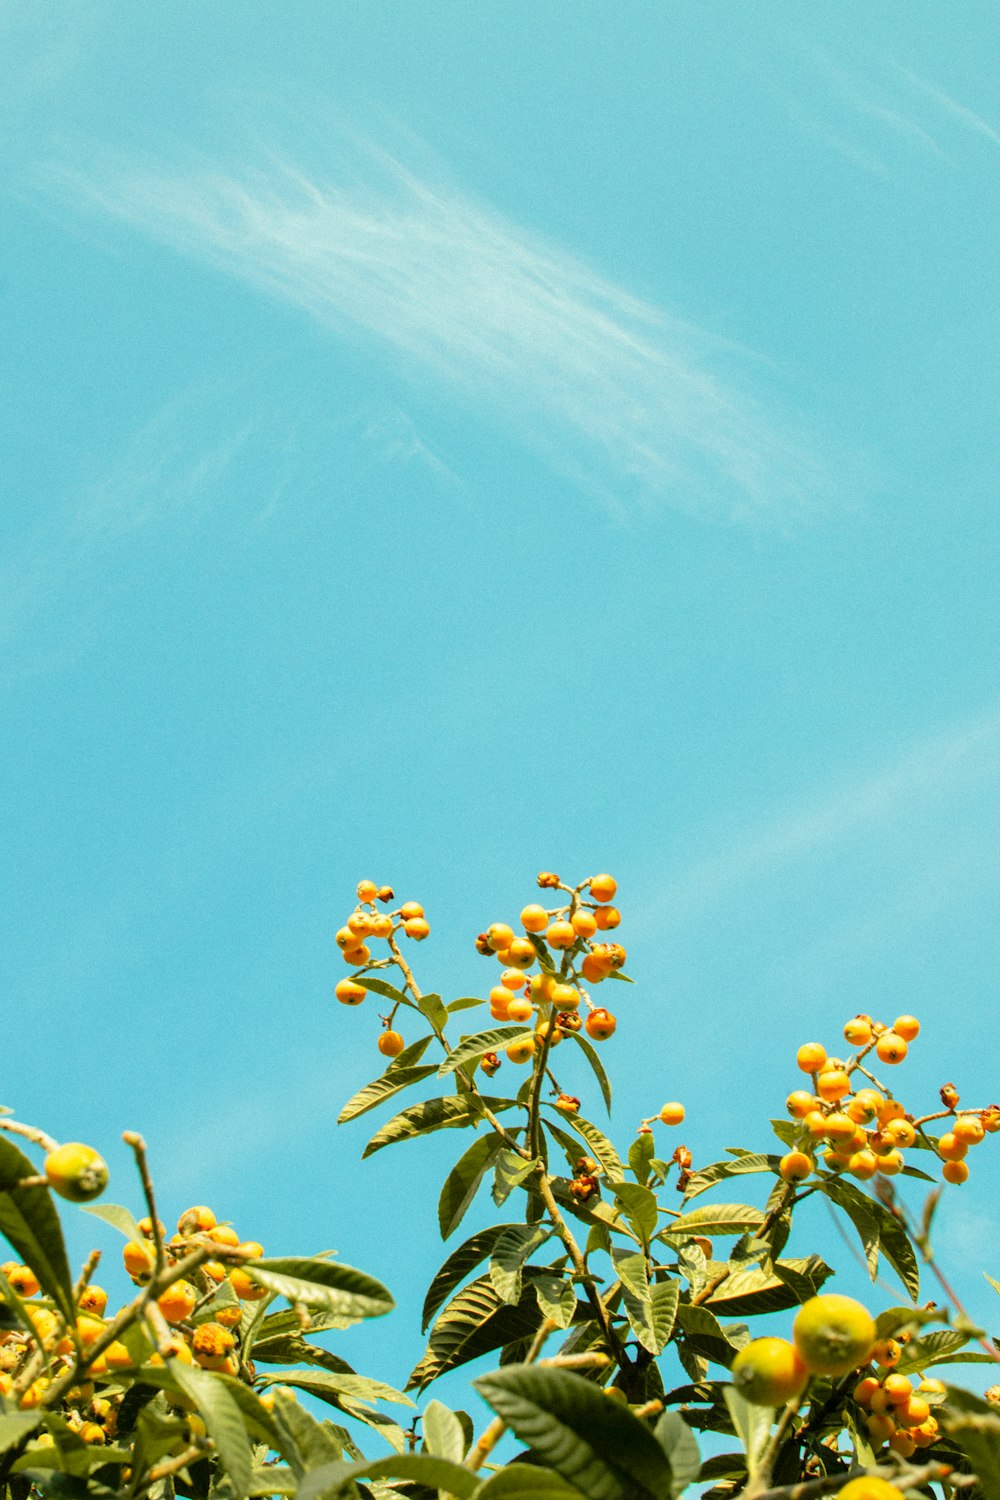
[(416, 928), (858, 1031), (367, 890), (862, 1164), (890, 1047), (197, 1220), (390, 1044), (795, 1166), (349, 993), (607, 918), (565, 997), (561, 935), (584, 923), (534, 918), (901, 1133), (521, 954), (512, 979), (139, 1260), (521, 1049), (969, 1129), (799, 1103), (950, 1148), (178, 1301), (93, 1300), (603, 888), (244, 1285), (520, 1009), (811, 1056), (499, 936), (955, 1172), (594, 968), (224, 1234), (832, 1084), (870, 1487), (673, 1114), (412, 911), (600, 1024), (907, 1027), (833, 1333), (768, 1372)]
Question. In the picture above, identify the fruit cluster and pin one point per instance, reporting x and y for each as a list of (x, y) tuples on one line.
[(833, 1336), (865, 1131), (365, 922), (560, 940), (195, 1319)]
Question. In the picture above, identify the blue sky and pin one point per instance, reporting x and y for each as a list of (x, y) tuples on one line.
[(445, 442)]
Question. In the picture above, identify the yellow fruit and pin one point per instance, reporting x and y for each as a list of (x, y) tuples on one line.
[(500, 936), (950, 1148), (23, 1279), (390, 1044), (600, 1024), (520, 1009), (858, 1031), (411, 911), (607, 917), (833, 1333), (211, 1345), (196, 1220), (416, 928), (955, 1172), (584, 923), (832, 1084), (349, 993), (178, 1301), (93, 1299), (534, 918), (367, 890), (117, 1357), (870, 1487), (969, 1130), (244, 1285), (521, 954), (811, 1056), (561, 935), (769, 1372), (224, 1234), (673, 1114), (795, 1166), (907, 1027), (565, 997), (521, 1049), (512, 979), (799, 1103), (890, 1047), (76, 1172), (603, 888), (231, 1316)]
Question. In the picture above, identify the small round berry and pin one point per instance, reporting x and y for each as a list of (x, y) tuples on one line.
[(768, 1372), (357, 957), (862, 1164), (886, 1352), (890, 1163), (672, 1113), (560, 935), (858, 1031), (412, 909), (955, 1172), (521, 1049), (76, 1172), (969, 1129), (811, 1056), (498, 935), (178, 1301), (864, 1106), (600, 1024), (360, 924), (603, 888), (512, 979), (416, 928), (534, 918), (595, 968), (520, 1009), (607, 918), (196, 1220), (908, 1027), (902, 1133), (565, 997), (390, 1044), (367, 890), (890, 1047), (243, 1284), (800, 1103), (950, 1148), (833, 1333), (833, 1084), (349, 993), (521, 954), (584, 923), (382, 925), (795, 1166)]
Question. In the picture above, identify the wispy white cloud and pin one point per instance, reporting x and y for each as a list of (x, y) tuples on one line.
[(948, 763), (637, 405), (951, 107)]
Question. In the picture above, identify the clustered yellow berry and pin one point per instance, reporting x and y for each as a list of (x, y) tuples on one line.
[(865, 1132), (832, 1336)]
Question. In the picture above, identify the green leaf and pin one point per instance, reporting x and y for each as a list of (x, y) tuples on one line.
[(450, 1113), (332, 1387), (434, 1009), (640, 1156), (931, 1349), (379, 987), (391, 1082), (716, 1218), (433, 1473), (527, 1482), (599, 1145), (556, 1298), (119, 1218), (681, 1447), (471, 1048), (512, 1249), (29, 1221), (444, 1435), (476, 1321), (880, 1231), (338, 1289), (272, 1479), (664, 1296), (994, 1284), (458, 1265), (593, 1442), (634, 1277), (304, 1441), (222, 1418), (704, 1334), (750, 1291), (591, 1054), (752, 1425), (15, 1425), (974, 1425), (787, 1131), (751, 1162), (465, 1002), (640, 1207), (462, 1183), (510, 1171)]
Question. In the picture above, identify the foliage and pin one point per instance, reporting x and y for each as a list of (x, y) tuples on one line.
[(595, 1296)]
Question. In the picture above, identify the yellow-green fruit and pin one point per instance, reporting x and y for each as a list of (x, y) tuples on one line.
[(833, 1334), (76, 1172), (769, 1372)]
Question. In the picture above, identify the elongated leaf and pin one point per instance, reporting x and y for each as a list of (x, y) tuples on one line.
[(424, 1468), (931, 1349), (119, 1218), (591, 1054), (745, 1293), (476, 1321), (292, 1349), (896, 1247), (640, 1208), (449, 1113), (599, 1145), (305, 1442), (975, 1425), (333, 1387), (716, 1219), (465, 1002), (704, 1334), (462, 1183), (444, 1435), (640, 1156), (528, 1482), (387, 991), (222, 1417), (391, 1082), (556, 1298), (337, 1289), (510, 1171), (752, 1425), (880, 1231), (29, 1221), (458, 1265), (471, 1048), (631, 1268), (273, 1479), (681, 1447), (15, 1425), (512, 1249), (664, 1296), (596, 1445), (434, 1009), (752, 1161), (288, 1323)]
